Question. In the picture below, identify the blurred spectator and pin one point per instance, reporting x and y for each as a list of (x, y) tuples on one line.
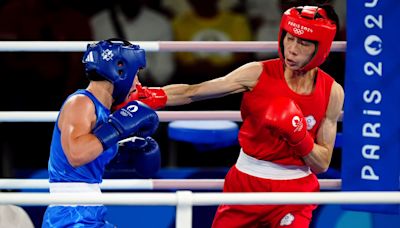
[(261, 10), (36, 81), (265, 19), (41, 20), (205, 22), (286, 4), (135, 21), (176, 7), (228, 4), (340, 7), (179, 7), (14, 216)]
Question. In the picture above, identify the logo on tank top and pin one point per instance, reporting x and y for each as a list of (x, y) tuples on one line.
[(310, 122), (287, 220)]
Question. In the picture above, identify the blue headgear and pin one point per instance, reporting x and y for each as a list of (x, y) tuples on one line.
[(116, 61)]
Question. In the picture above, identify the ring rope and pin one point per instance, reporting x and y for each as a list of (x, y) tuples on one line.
[(202, 199), (148, 184), (164, 116), (155, 46)]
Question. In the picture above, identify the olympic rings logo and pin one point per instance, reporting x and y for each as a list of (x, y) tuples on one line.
[(298, 31)]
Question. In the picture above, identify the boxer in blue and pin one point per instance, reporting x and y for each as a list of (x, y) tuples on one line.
[(86, 133)]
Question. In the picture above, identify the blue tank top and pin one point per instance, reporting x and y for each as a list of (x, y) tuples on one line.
[(58, 166)]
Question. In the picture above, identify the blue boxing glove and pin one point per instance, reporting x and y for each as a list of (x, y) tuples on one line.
[(135, 118), (135, 154)]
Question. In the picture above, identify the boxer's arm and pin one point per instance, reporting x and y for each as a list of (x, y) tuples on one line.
[(320, 157), (135, 118), (242, 79), (75, 123)]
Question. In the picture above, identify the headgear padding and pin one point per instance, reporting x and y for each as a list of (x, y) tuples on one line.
[(116, 61), (303, 22)]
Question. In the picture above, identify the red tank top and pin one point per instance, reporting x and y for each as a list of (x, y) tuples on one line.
[(263, 144)]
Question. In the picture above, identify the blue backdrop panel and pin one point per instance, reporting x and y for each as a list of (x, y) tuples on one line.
[(372, 86)]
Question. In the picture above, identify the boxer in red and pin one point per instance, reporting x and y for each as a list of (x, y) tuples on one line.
[(290, 109)]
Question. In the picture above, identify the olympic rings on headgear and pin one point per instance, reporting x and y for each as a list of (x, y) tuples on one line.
[(309, 23)]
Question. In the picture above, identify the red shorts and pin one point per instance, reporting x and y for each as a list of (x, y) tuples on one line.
[(286, 216)]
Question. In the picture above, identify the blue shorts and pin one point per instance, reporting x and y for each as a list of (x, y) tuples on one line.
[(75, 216)]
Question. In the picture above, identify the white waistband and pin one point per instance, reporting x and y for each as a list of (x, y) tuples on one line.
[(269, 170), (74, 187), (78, 187)]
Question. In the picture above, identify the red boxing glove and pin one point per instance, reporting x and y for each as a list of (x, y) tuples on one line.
[(284, 115), (154, 97)]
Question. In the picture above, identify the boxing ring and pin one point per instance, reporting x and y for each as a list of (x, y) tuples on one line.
[(184, 198)]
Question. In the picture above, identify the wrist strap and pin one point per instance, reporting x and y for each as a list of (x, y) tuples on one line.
[(155, 97), (107, 135), (305, 146)]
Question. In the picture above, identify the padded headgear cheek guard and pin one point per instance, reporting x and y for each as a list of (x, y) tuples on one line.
[(302, 22), (117, 61)]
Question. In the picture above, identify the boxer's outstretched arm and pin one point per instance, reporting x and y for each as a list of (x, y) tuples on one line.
[(242, 79), (320, 157)]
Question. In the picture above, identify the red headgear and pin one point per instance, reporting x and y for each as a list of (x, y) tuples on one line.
[(302, 22)]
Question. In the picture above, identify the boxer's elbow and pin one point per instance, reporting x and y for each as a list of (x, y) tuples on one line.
[(317, 164), (76, 158), (320, 169), (75, 161)]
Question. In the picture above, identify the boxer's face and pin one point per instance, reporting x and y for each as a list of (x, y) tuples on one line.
[(298, 52), (135, 81)]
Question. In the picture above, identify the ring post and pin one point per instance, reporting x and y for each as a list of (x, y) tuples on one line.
[(371, 145), (184, 209)]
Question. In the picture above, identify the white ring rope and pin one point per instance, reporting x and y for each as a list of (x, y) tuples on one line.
[(201, 199), (147, 184), (165, 116), (155, 46)]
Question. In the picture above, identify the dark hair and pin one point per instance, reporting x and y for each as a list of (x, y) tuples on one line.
[(94, 76), (330, 11)]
